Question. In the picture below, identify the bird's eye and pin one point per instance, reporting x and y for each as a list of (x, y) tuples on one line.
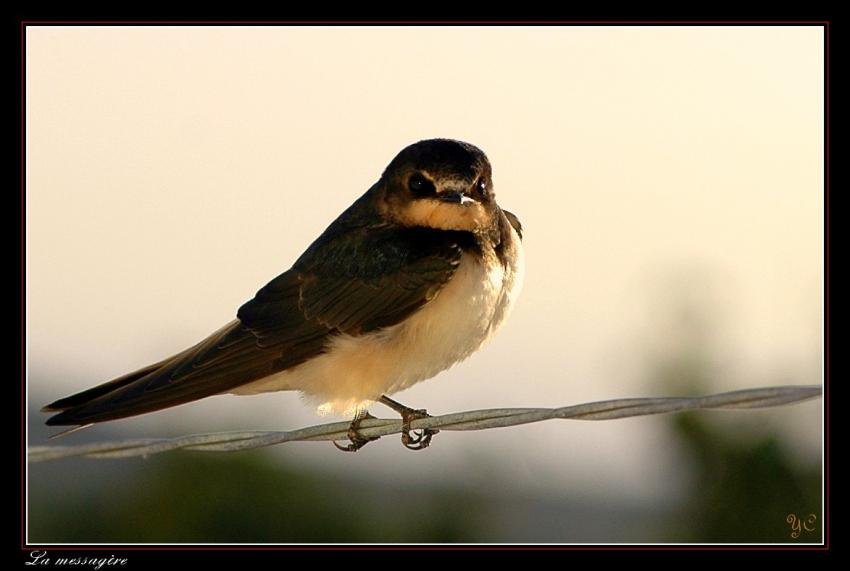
[(482, 186), (420, 185)]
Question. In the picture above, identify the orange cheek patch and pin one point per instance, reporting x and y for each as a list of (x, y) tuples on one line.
[(442, 215)]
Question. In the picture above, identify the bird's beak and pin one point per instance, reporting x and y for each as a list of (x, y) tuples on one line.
[(456, 197)]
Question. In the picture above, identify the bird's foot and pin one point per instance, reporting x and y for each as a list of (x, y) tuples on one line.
[(416, 440), (358, 441)]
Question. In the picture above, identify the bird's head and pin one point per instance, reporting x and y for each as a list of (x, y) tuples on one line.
[(439, 183)]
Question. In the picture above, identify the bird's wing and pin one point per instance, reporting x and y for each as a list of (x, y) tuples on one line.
[(350, 282), (514, 221), (363, 280)]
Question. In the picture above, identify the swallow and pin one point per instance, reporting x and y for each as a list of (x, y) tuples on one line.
[(415, 276)]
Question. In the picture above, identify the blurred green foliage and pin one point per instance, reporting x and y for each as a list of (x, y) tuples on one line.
[(244, 497), (744, 487)]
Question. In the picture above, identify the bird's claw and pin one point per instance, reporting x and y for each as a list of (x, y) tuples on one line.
[(415, 440), (355, 445), (358, 441), (419, 440)]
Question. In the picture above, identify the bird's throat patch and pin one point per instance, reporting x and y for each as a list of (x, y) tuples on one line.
[(442, 215)]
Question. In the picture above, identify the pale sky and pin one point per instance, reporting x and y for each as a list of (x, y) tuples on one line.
[(171, 172)]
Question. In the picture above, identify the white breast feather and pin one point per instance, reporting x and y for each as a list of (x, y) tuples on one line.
[(354, 371)]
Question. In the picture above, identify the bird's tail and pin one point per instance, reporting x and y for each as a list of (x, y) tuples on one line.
[(69, 406), (180, 378), (89, 395)]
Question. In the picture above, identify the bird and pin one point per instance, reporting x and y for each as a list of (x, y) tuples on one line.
[(414, 277)]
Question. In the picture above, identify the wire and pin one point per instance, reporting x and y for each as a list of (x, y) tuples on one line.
[(470, 420)]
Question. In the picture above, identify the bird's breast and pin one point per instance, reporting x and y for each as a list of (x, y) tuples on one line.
[(455, 324)]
